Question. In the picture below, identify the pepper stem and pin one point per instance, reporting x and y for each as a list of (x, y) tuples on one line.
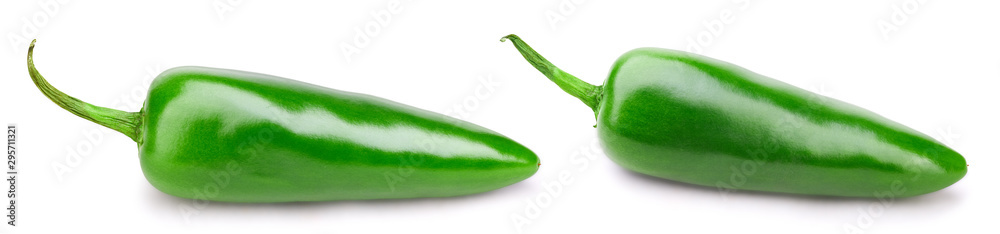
[(586, 92), (125, 122)]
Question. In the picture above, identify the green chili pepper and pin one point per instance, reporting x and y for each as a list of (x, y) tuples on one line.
[(693, 119), (225, 135)]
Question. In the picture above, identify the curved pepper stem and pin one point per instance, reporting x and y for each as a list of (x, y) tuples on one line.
[(125, 122), (586, 92)]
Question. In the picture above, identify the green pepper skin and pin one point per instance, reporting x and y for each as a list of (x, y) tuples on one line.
[(694, 119), (226, 135)]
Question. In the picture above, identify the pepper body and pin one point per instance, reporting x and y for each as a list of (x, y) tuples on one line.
[(693, 119), (272, 139), (226, 135)]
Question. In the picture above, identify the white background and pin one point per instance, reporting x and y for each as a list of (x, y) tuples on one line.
[(935, 70)]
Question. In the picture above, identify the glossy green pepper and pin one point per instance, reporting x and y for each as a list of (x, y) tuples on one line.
[(225, 135), (693, 119)]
